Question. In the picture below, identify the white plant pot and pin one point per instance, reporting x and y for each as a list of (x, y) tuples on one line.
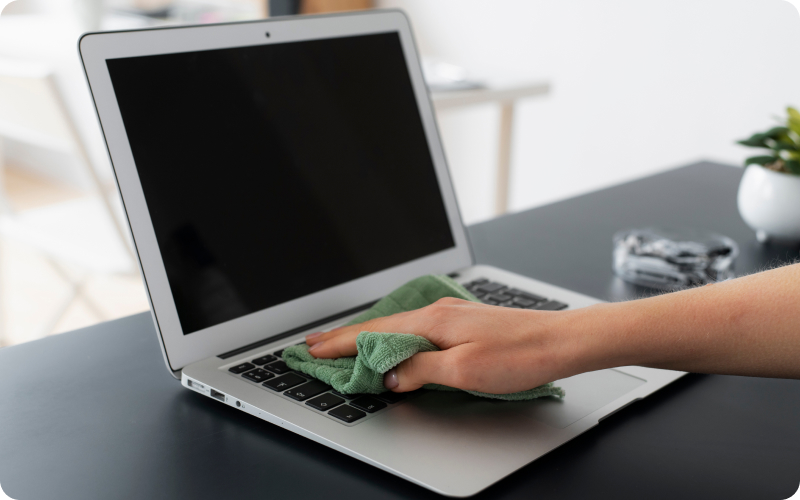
[(769, 202)]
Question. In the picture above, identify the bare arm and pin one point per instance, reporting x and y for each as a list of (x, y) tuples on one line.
[(747, 326)]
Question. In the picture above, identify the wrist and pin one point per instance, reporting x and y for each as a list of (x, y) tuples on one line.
[(603, 336)]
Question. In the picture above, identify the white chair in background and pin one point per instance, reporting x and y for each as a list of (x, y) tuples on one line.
[(84, 234)]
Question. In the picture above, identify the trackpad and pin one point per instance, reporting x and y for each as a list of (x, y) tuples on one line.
[(585, 393)]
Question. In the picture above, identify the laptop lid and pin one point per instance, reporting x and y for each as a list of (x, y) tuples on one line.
[(273, 173)]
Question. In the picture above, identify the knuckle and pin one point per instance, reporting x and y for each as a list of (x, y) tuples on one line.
[(439, 310), (448, 301)]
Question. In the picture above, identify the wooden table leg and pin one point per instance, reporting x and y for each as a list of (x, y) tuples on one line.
[(503, 178)]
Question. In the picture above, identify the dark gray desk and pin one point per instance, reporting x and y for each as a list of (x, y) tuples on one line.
[(93, 414)]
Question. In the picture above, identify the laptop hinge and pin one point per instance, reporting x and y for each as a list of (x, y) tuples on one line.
[(294, 331)]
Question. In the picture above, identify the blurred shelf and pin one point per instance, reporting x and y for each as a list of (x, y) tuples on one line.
[(501, 94)]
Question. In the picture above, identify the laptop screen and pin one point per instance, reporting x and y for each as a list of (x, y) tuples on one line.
[(275, 171)]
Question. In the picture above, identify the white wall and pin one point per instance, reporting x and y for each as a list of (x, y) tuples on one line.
[(46, 32), (639, 86)]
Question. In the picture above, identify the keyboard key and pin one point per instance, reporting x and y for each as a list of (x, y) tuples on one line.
[(368, 403), (346, 396), (258, 375), (551, 305), (264, 360), (489, 301), (533, 296), (325, 402), (525, 295), (523, 302), (242, 368), (491, 287), (390, 397), (285, 382), (510, 304), (278, 367), (478, 295), (347, 413), (308, 390), (479, 281), (499, 297)]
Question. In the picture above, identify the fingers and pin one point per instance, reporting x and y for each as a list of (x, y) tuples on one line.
[(315, 338), (336, 346), (438, 367), (342, 341), (422, 368), (419, 322), (436, 322)]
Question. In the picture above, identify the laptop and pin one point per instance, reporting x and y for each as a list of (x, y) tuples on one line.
[(281, 176)]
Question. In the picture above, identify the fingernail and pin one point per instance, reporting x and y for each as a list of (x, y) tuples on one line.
[(313, 335), (390, 380), (315, 346)]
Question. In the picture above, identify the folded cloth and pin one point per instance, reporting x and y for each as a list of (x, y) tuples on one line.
[(380, 352)]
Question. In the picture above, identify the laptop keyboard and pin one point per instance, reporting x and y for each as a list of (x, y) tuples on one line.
[(498, 294), (271, 372)]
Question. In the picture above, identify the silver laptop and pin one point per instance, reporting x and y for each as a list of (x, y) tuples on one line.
[(281, 176)]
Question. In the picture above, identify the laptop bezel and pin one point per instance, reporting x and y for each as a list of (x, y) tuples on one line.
[(179, 349)]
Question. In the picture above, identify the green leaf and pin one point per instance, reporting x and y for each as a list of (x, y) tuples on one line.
[(794, 119), (760, 140), (776, 132), (755, 141), (760, 160), (793, 166), (784, 146)]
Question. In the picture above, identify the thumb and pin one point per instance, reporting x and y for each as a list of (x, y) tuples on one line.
[(420, 369)]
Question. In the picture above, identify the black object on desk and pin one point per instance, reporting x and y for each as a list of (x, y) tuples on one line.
[(94, 414)]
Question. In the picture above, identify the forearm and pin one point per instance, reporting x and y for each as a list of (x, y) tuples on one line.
[(748, 326)]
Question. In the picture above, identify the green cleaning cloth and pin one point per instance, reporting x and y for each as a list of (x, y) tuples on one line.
[(380, 352)]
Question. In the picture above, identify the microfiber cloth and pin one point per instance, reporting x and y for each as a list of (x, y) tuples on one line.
[(380, 352)]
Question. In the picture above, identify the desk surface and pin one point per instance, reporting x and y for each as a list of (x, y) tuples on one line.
[(93, 414)]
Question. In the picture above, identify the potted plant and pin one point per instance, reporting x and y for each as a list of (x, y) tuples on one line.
[(769, 194)]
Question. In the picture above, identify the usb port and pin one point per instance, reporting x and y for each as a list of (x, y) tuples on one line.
[(217, 395)]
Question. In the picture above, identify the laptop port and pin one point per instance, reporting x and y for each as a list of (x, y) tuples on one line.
[(217, 395)]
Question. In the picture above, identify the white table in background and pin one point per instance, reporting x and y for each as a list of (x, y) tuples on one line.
[(506, 96)]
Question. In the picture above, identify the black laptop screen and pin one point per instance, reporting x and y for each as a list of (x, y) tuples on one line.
[(275, 171)]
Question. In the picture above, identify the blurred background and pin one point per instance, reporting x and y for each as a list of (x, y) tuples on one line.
[(537, 101)]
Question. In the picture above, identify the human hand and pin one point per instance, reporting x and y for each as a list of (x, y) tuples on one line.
[(483, 348)]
